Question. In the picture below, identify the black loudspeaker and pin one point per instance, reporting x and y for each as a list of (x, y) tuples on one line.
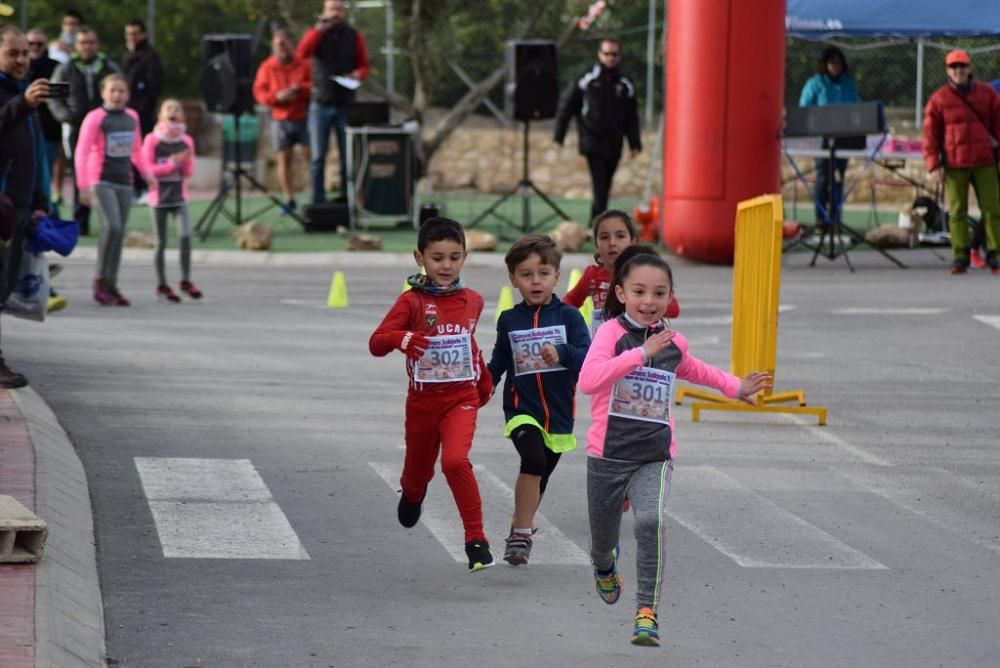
[(428, 211), (532, 88), (367, 113), (227, 73), (835, 120), (384, 171), (327, 216)]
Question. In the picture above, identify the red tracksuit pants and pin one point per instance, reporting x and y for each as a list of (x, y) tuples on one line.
[(443, 422)]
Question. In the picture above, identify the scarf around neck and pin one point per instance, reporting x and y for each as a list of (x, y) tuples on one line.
[(422, 283)]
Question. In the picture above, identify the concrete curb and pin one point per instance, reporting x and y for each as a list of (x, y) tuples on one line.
[(69, 611)]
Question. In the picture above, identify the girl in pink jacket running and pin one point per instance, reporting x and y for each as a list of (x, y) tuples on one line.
[(630, 371), (107, 148)]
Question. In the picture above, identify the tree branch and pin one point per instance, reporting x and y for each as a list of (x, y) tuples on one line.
[(474, 97)]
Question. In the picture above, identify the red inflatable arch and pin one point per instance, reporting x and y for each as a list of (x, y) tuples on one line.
[(724, 101)]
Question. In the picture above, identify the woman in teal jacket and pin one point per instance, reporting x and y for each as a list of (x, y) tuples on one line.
[(832, 84)]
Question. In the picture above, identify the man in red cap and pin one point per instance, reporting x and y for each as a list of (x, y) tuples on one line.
[(961, 126)]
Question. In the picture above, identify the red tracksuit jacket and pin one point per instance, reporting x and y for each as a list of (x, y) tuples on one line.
[(417, 311)]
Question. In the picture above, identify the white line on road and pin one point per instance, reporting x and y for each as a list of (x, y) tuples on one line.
[(888, 311), (752, 530), (823, 434), (991, 320), (551, 546), (909, 491), (215, 509)]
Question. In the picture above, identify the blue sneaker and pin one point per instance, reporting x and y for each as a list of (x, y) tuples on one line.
[(288, 208), (646, 631), (609, 583)]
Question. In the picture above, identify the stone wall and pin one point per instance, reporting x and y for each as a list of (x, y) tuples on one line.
[(483, 156)]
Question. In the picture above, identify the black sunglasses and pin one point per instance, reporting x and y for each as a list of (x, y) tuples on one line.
[(958, 65), (36, 43), (610, 53)]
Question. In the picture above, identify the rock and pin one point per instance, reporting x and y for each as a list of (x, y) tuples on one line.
[(254, 236), (477, 240), (140, 240), (364, 242), (569, 236)]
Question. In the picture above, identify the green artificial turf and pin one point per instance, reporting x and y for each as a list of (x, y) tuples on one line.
[(398, 235)]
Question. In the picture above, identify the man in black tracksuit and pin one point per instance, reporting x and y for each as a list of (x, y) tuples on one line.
[(603, 103), (21, 152)]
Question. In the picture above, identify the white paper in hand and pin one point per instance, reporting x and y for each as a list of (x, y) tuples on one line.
[(347, 82)]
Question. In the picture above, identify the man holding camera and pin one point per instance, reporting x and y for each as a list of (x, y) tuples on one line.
[(22, 184), (339, 62)]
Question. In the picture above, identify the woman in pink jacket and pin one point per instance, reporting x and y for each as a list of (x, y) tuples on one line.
[(168, 159), (630, 371), (107, 148)]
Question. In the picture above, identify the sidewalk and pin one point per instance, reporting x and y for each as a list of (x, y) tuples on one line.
[(51, 613)]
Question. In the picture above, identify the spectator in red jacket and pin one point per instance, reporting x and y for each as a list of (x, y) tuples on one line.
[(961, 124), (284, 83)]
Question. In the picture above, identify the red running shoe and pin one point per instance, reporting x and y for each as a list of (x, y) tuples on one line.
[(164, 293), (976, 259), (188, 288), (102, 295), (119, 298)]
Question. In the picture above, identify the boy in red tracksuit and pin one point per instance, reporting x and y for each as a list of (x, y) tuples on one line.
[(433, 324)]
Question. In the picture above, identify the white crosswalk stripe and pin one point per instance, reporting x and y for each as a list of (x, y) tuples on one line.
[(991, 320), (551, 546), (215, 509), (752, 530), (888, 311)]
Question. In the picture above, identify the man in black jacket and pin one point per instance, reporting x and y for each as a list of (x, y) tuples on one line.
[(340, 61), (84, 72), (42, 67), (21, 178), (144, 72), (603, 103)]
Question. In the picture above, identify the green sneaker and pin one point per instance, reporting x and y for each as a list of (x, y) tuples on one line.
[(609, 583), (646, 631)]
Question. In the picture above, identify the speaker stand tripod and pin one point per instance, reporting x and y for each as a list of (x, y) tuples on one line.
[(232, 180), (525, 187), (832, 230)]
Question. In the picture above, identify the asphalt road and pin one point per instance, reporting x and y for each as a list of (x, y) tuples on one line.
[(262, 530)]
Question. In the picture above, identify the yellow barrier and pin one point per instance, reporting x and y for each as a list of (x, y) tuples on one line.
[(756, 286)]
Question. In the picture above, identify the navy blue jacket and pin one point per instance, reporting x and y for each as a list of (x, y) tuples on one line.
[(548, 397)]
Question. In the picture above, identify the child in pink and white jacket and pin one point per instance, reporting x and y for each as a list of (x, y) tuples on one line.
[(630, 371), (168, 159), (107, 148)]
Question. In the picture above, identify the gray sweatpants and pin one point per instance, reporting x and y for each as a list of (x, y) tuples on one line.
[(646, 485), (113, 203), (180, 213)]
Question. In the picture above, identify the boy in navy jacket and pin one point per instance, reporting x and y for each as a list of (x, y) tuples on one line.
[(541, 344)]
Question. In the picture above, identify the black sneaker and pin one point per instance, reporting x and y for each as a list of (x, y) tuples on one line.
[(518, 548), (10, 380), (408, 512), (480, 557)]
